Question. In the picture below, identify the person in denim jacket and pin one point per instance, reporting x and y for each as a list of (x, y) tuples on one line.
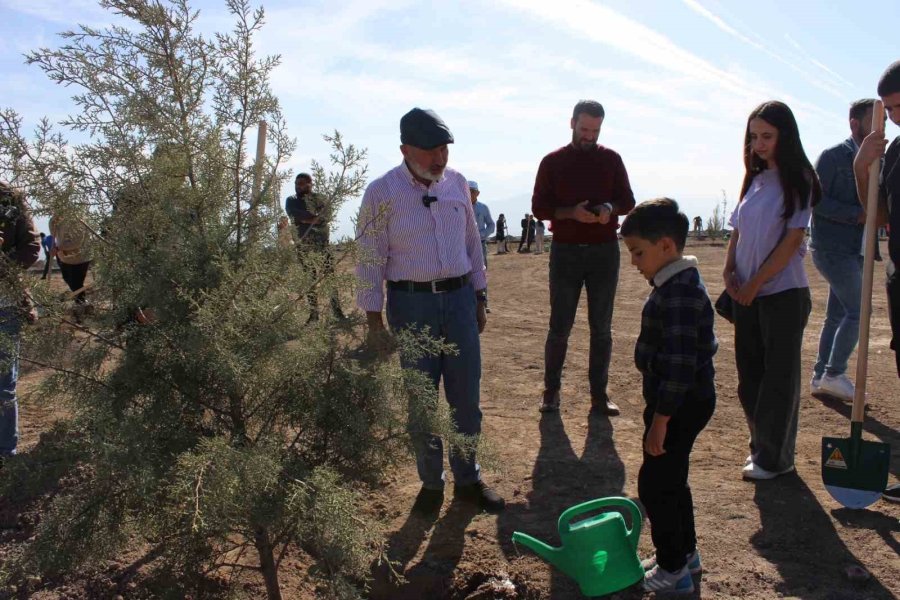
[(836, 243)]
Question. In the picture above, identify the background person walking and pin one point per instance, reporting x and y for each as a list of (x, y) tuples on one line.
[(47, 245), (539, 237), (502, 231)]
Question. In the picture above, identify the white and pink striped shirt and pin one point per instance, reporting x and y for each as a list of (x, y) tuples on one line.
[(403, 240)]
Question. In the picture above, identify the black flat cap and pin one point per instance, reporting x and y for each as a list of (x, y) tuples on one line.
[(424, 129)]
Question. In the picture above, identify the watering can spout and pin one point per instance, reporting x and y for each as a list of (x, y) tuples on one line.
[(548, 553)]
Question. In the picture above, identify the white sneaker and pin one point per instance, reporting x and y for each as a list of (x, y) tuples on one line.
[(663, 582), (693, 563), (814, 384), (754, 471), (838, 386)]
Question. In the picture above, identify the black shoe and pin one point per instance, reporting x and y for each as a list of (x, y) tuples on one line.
[(480, 494), (605, 406), (550, 401), (428, 502)]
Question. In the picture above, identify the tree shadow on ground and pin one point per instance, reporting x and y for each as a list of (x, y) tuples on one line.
[(561, 479), (432, 575), (30, 480), (799, 539)]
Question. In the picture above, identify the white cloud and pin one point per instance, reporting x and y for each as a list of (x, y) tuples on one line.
[(676, 117), (765, 48), (812, 60), (65, 12), (604, 25)]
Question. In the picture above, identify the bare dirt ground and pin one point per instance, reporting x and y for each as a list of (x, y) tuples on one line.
[(782, 538)]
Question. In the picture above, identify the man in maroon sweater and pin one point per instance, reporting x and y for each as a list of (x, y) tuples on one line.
[(580, 189)]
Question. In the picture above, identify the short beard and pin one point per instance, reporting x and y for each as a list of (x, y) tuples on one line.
[(580, 146), (424, 173)]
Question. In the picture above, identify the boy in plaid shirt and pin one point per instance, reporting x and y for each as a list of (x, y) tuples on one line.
[(674, 352)]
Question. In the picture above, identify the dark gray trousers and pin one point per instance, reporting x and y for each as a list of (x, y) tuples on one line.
[(596, 268), (768, 339)]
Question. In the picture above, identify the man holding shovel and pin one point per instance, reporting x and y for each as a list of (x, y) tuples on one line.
[(837, 251), (872, 148)]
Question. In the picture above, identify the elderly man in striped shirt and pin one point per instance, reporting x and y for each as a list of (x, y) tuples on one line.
[(417, 225)]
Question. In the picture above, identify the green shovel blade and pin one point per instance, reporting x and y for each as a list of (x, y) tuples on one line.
[(855, 472)]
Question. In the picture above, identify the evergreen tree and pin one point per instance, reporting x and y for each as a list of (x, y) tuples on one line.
[(209, 423)]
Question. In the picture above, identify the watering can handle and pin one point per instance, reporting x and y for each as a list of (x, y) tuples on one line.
[(634, 533)]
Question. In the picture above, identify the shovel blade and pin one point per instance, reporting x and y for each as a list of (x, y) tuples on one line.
[(855, 472), (851, 498)]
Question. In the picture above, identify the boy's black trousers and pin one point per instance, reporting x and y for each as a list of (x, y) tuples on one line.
[(663, 483)]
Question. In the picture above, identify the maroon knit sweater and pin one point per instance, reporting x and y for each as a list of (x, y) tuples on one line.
[(569, 176)]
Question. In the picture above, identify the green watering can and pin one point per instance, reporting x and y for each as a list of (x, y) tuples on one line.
[(598, 552)]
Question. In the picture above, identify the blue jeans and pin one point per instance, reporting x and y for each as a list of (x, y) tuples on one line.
[(596, 268), (484, 251), (840, 332), (9, 375), (450, 317)]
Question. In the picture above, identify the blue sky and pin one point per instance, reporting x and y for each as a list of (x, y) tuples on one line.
[(677, 79)]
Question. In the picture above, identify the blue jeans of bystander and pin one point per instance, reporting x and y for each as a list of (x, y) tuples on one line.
[(10, 326), (840, 331)]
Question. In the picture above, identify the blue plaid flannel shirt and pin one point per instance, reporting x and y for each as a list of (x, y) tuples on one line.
[(675, 348)]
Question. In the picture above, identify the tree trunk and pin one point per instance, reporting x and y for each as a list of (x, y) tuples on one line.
[(267, 564)]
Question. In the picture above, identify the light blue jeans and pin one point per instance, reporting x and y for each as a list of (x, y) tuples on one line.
[(10, 327), (840, 332), (451, 317)]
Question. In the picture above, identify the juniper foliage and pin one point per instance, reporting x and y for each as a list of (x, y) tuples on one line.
[(209, 421)]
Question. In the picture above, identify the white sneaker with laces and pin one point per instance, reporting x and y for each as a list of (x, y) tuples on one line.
[(814, 384), (754, 471), (661, 581), (838, 386), (693, 563)]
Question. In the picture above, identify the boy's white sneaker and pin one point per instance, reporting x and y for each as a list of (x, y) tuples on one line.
[(837, 386), (693, 563), (663, 582)]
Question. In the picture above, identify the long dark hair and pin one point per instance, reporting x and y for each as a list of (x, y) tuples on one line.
[(798, 178)]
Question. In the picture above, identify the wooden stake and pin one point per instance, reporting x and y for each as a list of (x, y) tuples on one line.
[(260, 160)]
